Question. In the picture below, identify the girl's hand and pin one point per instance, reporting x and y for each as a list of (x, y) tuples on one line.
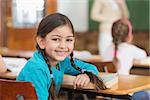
[(81, 81)]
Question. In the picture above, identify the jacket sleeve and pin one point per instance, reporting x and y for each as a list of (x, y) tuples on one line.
[(83, 65)]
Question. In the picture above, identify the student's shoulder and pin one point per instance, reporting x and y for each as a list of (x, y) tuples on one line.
[(128, 46), (34, 64), (76, 61), (133, 47)]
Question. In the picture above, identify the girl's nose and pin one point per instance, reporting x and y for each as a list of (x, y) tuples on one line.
[(62, 44)]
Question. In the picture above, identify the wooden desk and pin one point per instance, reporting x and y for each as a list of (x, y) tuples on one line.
[(140, 67), (15, 53), (126, 85), (102, 66), (137, 63)]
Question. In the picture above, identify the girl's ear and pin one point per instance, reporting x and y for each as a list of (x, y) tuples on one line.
[(130, 38), (41, 42)]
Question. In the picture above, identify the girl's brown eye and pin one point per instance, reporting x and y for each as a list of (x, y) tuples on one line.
[(69, 40), (56, 39)]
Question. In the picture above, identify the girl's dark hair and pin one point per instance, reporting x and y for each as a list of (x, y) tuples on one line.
[(121, 29), (52, 21)]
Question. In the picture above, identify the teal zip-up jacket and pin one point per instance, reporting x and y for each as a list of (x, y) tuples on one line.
[(36, 71)]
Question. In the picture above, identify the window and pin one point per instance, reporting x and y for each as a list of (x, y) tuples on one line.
[(27, 13)]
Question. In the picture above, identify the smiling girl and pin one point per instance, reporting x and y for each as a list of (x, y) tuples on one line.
[(54, 58)]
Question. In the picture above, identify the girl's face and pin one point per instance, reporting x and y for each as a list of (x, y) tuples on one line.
[(58, 44)]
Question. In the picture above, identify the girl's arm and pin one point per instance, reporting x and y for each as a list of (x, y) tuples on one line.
[(90, 74), (83, 65), (96, 11), (124, 8)]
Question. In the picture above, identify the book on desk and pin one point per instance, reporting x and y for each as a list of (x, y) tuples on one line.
[(109, 79), (14, 64)]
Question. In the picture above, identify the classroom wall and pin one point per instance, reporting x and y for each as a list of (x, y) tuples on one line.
[(139, 15)]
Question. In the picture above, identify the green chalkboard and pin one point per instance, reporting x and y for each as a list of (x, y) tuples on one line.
[(139, 15)]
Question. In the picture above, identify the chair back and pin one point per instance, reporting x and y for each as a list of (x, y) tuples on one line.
[(17, 90), (104, 66)]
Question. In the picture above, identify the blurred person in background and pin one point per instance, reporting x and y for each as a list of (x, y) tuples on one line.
[(106, 12)]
